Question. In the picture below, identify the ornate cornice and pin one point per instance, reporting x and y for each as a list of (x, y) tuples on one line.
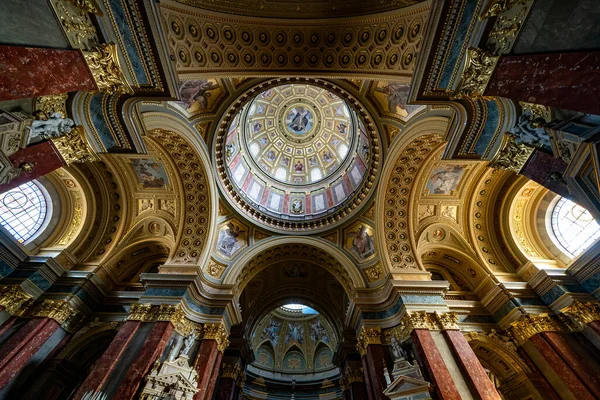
[(103, 63), (529, 325), (151, 312), (217, 333), (14, 300), (580, 314), (479, 66), (74, 148), (366, 337)]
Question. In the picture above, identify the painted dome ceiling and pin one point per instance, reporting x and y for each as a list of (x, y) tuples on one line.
[(295, 152)]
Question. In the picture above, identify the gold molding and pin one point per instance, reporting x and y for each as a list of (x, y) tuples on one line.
[(218, 333), (366, 337), (512, 156), (48, 105), (60, 311), (74, 148), (354, 375), (497, 7), (103, 62), (529, 325), (88, 6), (479, 66), (151, 312), (14, 300), (447, 320), (582, 313)]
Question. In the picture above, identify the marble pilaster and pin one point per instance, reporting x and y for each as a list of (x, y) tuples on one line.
[(371, 349), (208, 359)]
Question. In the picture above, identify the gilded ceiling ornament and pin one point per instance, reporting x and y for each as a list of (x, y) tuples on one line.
[(76, 218), (74, 148), (366, 337), (77, 25), (374, 273), (14, 300), (512, 156), (332, 237), (202, 129), (45, 106), (582, 313), (447, 320), (497, 7), (529, 325), (260, 235), (479, 66), (152, 312), (536, 110), (215, 269), (217, 333), (392, 132), (370, 213), (140, 312), (103, 62), (88, 5)]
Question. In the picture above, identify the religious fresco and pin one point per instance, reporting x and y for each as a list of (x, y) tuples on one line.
[(318, 332), (272, 331), (198, 95), (295, 333), (150, 173), (444, 179), (232, 237), (323, 358), (360, 242), (294, 361), (264, 357), (391, 97)]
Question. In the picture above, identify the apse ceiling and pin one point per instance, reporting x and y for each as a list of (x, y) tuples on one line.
[(300, 8), (296, 153)]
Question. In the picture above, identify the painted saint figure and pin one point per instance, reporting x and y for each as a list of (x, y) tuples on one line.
[(362, 245), (228, 240)]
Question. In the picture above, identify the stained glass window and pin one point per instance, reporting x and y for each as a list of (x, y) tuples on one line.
[(574, 227), (23, 210)]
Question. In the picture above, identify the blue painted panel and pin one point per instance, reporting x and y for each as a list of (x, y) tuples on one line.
[(490, 127), (97, 116), (503, 310)]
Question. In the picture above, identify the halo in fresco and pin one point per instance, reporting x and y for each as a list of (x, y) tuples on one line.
[(299, 120)]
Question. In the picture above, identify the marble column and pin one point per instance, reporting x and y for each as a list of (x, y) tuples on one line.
[(373, 358), (31, 72), (18, 350), (480, 384), (208, 359), (562, 80), (229, 376), (438, 372)]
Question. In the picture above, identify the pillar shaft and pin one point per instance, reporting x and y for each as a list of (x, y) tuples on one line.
[(208, 358), (30, 72), (562, 80), (357, 391), (368, 384), (375, 361), (481, 385), (438, 371), (226, 389)]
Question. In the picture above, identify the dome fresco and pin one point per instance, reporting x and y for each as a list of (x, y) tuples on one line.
[(297, 152)]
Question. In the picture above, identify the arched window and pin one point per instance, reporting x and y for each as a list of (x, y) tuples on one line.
[(573, 227), (23, 211)]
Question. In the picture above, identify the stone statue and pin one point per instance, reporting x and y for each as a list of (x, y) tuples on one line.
[(54, 126), (530, 130), (188, 342), (397, 349)]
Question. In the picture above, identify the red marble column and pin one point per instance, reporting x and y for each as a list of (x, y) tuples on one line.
[(583, 370), (358, 391), (226, 389), (208, 357), (368, 384), (44, 157), (376, 363), (563, 80), (565, 373), (481, 385), (18, 350), (29, 72), (438, 372), (153, 347), (108, 360), (595, 326)]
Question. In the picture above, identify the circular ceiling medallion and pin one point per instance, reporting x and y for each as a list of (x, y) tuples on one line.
[(295, 155)]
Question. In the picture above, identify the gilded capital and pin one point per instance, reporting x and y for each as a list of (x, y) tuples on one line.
[(103, 63), (354, 375), (218, 333), (74, 148), (529, 325), (447, 320), (182, 325), (497, 7), (59, 310), (14, 300), (231, 371), (512, 155), (479, 66), (366, 337), (581, 314), (48, 105), (88, 6)]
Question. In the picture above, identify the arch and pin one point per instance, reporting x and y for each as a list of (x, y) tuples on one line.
[(294, 360), (323, 357), (265, 355), (278, 249), (199, 208), (395, 242)]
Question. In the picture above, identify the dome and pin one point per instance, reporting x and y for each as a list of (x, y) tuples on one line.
[(295, 153)]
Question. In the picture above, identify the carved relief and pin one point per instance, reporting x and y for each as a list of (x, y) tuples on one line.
[(103, 62), (478, 69)]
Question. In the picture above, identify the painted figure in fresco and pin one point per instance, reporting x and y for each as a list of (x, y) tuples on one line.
[(271, 332), (396, 94), (445, 179), (318, 332), (297, 207), (300, 120), (270, 155), (312, 161), (256, 127), (327, 156), (295, 333), (54, 126), (150, 173), (266, 94), (298, 167), (229, 150), (285, 161), (342, 128), (296, 271), (263, 141), (228, 240), (362, 245), (531, 131), (194, 94)]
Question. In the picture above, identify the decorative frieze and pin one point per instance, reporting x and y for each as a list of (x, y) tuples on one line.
[(529, 325), (479, 66), (74, 148), (497, 7), (580, 314), (103, 62), (366, 337), (45, 106)]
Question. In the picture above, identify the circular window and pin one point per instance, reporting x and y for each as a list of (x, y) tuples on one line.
[(23, 211), (574, 227), (296, 155)]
